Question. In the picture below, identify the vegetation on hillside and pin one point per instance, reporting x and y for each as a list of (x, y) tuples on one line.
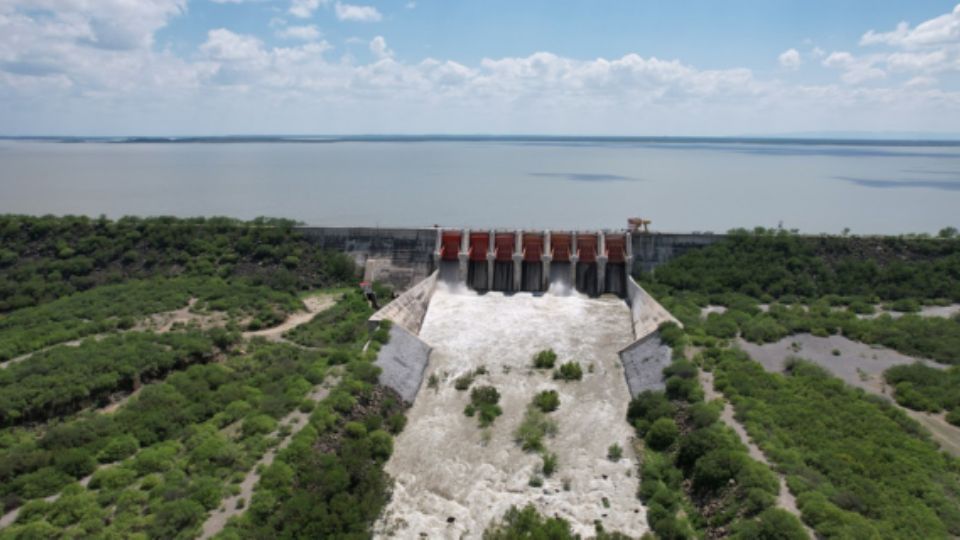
[(816, 285), (696, 477), (46, 258), (774, 264), (924, 388), (860, 467)]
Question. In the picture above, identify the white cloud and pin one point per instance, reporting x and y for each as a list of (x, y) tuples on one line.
[(910, 61), (304, 8), (85, 65), (941, 30), (921, 81), (350, 12), (790, 59), (304, 33), (378, 46), (410, 5), (841, 59)]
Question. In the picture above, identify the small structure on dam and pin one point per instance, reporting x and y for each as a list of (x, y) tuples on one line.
[(594, 263)]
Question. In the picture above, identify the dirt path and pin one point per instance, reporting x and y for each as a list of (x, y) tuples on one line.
[(313, 304), (785, 499), (228, 507)]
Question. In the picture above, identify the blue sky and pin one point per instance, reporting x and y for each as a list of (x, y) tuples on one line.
[(157, 67)]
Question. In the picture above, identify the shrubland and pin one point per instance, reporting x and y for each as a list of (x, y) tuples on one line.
[(924, 388), (817, 285), (696, 477), (46, 258), (859, 467)]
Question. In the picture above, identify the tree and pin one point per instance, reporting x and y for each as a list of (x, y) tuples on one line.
[(662, 434)]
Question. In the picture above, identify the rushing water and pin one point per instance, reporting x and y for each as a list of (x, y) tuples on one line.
[(559, 184)]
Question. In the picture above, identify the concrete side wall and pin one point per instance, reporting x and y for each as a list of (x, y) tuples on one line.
[(403, 361), (646, 312), (652, 250), (643, 363), (408, 309), (400, 257)]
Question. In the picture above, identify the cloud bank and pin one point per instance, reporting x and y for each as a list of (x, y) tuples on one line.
[(81, 67)]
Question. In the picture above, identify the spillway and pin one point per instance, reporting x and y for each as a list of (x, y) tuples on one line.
[(512, 261), (452, 479)]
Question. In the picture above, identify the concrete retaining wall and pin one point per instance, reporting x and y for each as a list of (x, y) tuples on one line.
[(652, 250), (408, 309), (403, 361), (646, 312), (400, 257), (643, 363)]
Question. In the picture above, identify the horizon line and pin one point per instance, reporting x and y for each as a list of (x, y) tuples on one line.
[(865, 138)]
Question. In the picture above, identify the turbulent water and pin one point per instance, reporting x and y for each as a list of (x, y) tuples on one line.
[(571, 183), (451, 482)]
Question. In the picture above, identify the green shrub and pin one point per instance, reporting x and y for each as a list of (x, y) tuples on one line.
[(569, 371), (259, 424), (648, 407), (463, 382), (483, 400), (547, 400), (662, 434), (771, 524), (614, 452), (544, 359), (528, 523), (532, 430), (549, 464)]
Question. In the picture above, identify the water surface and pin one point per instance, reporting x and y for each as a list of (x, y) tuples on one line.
[(566, 183)]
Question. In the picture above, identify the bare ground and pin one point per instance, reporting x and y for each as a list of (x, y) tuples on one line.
[(313, 305)]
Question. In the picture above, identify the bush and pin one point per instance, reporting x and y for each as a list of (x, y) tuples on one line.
[(484, 400), (549, 464), (463, 382), (533, 428), (569, 371), (117, 448), (648, 407), (771, 524), (662, 434), (528, 523), (259, 424), (715, 469), (547, 401), (544, 359), (614, 452)]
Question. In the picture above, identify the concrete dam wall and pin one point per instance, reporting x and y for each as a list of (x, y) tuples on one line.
[(507, 260)]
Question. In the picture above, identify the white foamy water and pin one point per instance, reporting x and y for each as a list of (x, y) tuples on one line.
[(450, 483)]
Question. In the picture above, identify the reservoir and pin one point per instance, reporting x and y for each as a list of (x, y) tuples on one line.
[(693, 185)]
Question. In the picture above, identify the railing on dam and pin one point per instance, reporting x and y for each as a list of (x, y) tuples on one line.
[(595, 262)]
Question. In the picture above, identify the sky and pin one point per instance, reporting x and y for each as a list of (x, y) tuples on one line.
[(573, 67)]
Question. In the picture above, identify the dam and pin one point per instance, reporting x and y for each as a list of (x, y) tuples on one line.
[(530, 261), (493, 300), (403, 257)]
